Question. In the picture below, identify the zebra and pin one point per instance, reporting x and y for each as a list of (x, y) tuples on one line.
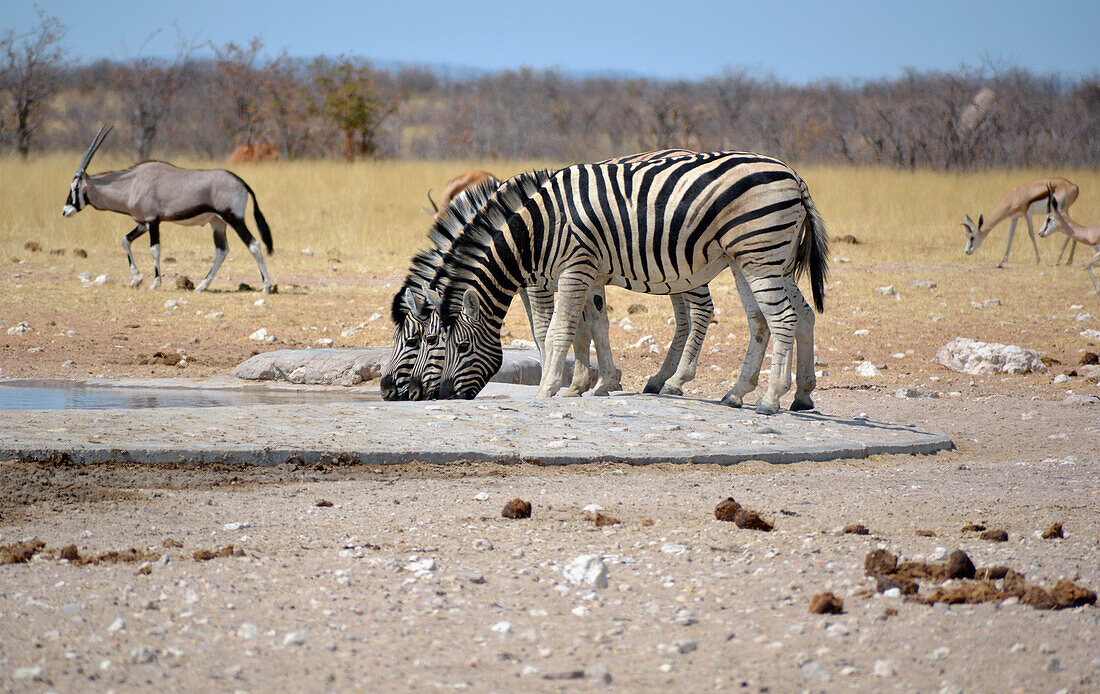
[(154, 191), (417, 355), (660, 227), (413, 312)]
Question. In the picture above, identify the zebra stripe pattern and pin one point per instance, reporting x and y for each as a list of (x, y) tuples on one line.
[(660, 227)]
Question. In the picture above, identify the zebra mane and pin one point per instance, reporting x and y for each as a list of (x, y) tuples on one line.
[(479, 235), (444, 230)]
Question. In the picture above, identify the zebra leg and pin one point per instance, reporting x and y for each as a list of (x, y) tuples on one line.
[(681, 316), (758, 342), (771, 296), (700, 310), (595, 315), (154, 248), (1008, 248), (126, 241), (221, 249), (569, 302), (253, 247), (539, 303), (582, 368), (805, 380)]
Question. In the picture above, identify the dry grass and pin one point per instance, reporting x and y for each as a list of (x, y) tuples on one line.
[(363, 221)]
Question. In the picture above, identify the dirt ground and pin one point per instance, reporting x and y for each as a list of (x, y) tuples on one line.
[(408, 577)]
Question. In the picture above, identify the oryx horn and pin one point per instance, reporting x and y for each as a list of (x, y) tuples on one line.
[(91, 150)]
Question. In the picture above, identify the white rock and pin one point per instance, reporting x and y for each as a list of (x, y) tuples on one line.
[(481, 496), (215, 315), (248, 631), (883, 668), (685, 646), (592, 508), (938, 554), (1090, 334), (262, 335), (259, 302), (140, 655), (425, 565), (868, 370), (296, 638), (861, 332), (888, 291), (673, 548), (939, 653), (893, 593), (647, 342), (101, 280), (814, 673), (173, 304), (325, 342), (116, 625), (20, 328), (586, 570), (598, 673), (237, 525), (502, 628), (972, 357), (307, 251), (33, 672), (923, 284), (1061, 378)]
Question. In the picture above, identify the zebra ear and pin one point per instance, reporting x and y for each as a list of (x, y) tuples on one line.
[(471, 305), (413, 302), (432, 296)]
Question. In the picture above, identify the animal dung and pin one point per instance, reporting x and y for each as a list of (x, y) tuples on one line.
[(184, 282), (996, 535), (323, 503), (856, 529), (80, 253), (226, 551), (879, 562), (20, 552), (1054, 532), (727, 510), (826, 603), (973, 528), (751, 520), (601, 519), (517, 508), (959, 565)]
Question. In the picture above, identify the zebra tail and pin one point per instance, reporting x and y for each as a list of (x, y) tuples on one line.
[(813, 249)]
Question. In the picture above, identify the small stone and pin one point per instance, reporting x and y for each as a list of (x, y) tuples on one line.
[(33, 673), (868, 370), (296, 638), (1054, 532), (502, 628), (684, 618), (481, 496), (684, 646), (140, 655), (598, 673), (939, 653), (959, 565), (727, 510), (262, 335), (883, 668), (517, 508), (996, 535), (426, 564), (826, 603), (116, 625), (586, 570), (814, 673), (237, 525), (248, 631)]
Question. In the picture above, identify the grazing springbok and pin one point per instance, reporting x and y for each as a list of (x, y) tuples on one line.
[(455, 186), (1022, 202), (1059, 220), (153, 192)]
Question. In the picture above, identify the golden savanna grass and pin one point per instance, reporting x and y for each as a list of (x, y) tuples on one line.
[(362, 221)]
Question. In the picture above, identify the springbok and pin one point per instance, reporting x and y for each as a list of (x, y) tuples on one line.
[(1058, 219), (154, 191), (1022, 202), (455, 186)]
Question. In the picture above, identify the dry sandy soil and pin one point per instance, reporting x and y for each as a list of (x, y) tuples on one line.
[(412, 580)]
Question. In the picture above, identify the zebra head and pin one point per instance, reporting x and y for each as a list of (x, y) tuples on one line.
[(426, 371), (411, 313), (472, 353), (78, 189)]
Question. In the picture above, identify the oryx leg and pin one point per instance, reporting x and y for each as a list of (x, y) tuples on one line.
[(758, 343), (126, 241), (254, 247), (221, 249), (154, 248), (1008, 248), (1031, 233), (771, 296), (573, 287), (805, 380)]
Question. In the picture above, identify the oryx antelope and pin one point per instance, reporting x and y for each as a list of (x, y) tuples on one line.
[(1022, 202), (1058, 219), (153, 192)]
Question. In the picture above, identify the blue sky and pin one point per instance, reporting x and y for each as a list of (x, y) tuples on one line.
[(795, 40)]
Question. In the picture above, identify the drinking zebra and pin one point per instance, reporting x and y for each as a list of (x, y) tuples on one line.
[(661, 227), (417, 358)]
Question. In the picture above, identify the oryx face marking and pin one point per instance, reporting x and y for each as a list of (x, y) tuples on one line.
[(77, 198)]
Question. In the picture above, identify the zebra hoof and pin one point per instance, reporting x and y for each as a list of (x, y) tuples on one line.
[(652, 389), (570, 393), (135, 283), (601, 392), (802, 405), (732, 400), (766, 408), (671, 390)]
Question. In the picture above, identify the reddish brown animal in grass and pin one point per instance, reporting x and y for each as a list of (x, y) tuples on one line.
[(455, 186), (260, 151)]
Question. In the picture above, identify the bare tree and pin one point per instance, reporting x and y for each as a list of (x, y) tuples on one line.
[(242, 90), (149, 86), (288, 101), (32, 64)]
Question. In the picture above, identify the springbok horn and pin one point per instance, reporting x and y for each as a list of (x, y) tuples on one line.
[(92, 150)]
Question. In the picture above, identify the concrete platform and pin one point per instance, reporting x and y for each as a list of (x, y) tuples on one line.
[(504, 424)]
